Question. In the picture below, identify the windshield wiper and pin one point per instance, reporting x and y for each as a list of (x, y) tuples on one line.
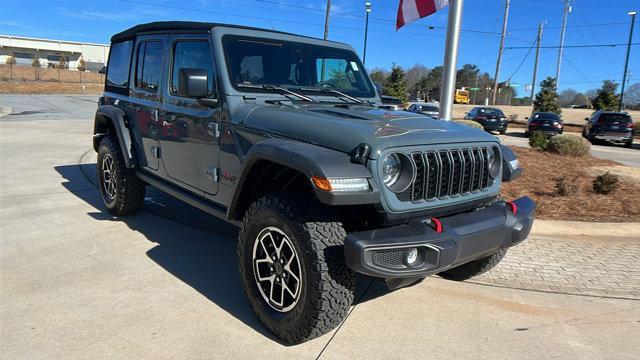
[(279, 89), (340, 95)]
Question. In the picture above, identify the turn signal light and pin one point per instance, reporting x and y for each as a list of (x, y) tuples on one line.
[(321, 183), (513, 207)]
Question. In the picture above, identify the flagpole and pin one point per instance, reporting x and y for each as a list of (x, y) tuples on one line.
[(450, 59)]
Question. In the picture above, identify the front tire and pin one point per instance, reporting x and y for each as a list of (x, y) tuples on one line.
[(474, 268), (122, 192), (291, 262)]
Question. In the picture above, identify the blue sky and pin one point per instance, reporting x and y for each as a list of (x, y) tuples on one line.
[(582, 68)]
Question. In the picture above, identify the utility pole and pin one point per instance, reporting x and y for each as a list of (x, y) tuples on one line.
[(626, 63), (326, 35), (504, 33), (535, 66), (367, 7), (450, 59), (326, 20), (567, 10)]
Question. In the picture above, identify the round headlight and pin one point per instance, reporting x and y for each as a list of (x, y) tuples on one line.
[(495, 162), (391, 168)]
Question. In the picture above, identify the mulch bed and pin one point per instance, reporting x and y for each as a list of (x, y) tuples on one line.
[(541, 169)]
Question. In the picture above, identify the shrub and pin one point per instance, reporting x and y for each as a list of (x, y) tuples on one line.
[(565, 187), (605, 183), (469, 123), (82, 65), (567, 144), (538, 141), (10, 60)]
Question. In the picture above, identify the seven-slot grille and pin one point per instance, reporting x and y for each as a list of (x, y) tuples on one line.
[(448, 173)]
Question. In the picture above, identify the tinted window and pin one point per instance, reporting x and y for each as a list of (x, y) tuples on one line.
[(294, 65), (191, 55), (429, 108), (118, 68), (490, 111), (546, 116), (149, 66), (614, 118)]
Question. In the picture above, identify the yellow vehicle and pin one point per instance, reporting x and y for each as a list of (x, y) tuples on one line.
[(462, 97)]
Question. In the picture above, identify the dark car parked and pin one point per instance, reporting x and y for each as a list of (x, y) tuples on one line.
[(610, 126), (427, 109), (243, 123), (491, 119), (547, 123)]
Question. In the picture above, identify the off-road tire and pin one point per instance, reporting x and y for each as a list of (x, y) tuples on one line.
[(129, 189), (474, 268), (328, 285)]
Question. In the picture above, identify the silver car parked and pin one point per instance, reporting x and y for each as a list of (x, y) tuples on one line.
[(427, 109)]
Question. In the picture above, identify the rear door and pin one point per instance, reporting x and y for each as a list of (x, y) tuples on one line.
[(146, 97), (189, 131)]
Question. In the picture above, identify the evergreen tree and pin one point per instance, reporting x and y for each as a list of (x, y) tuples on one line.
[(395, 85), (547, 99), (607, 98)]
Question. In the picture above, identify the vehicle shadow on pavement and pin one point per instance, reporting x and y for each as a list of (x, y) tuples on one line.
[(194, 246), (201, 258)]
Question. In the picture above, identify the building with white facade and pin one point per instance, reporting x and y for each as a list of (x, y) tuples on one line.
[(49, 53)]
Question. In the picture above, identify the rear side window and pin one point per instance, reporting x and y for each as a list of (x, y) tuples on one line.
[(192, 55), (149, 66), (118, 68)]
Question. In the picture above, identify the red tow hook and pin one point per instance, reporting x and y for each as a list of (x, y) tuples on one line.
[(436, 225), (514, 208)]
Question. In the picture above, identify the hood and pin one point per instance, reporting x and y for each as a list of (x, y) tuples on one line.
[(343, 128)]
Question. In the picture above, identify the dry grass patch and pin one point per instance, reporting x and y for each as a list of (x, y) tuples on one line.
[(540, 180)]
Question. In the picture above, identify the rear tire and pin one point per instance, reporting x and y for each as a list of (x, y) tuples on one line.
[(474, 268), (629, 144), (122, 192), (319, 286)]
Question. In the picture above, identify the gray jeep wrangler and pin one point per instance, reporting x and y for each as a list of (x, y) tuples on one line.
[(283, 136)]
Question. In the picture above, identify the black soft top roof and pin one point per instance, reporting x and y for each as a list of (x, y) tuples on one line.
[(162, 26)]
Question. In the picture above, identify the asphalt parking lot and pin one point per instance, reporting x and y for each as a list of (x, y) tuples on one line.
[(78, 283)]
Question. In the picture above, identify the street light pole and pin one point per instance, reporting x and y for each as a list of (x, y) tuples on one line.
[(450, 59), (626, 63), (367, 6), (500, 51), (567, 10)]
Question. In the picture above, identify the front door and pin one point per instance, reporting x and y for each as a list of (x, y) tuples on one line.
[(145, 97), (189, 131)]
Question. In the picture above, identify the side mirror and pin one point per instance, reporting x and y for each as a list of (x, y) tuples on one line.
[(192, 83)]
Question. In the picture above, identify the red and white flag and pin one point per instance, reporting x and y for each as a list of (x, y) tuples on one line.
[(410, 10)]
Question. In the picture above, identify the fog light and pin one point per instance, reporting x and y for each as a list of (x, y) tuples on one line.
[(412, 256)]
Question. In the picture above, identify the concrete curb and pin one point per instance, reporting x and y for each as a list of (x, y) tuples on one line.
[(5, 110), (582, 228)]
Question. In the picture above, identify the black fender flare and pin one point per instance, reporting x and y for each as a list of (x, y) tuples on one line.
[(118, 119), (310, 160)]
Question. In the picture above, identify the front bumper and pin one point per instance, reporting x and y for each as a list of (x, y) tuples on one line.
[(464, 237)]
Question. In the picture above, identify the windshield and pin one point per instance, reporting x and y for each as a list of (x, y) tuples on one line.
[(489, 111), (294, 66)]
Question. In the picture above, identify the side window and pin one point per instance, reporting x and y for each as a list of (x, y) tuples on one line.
[(192, 55), (149, 66), (118, 65)]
